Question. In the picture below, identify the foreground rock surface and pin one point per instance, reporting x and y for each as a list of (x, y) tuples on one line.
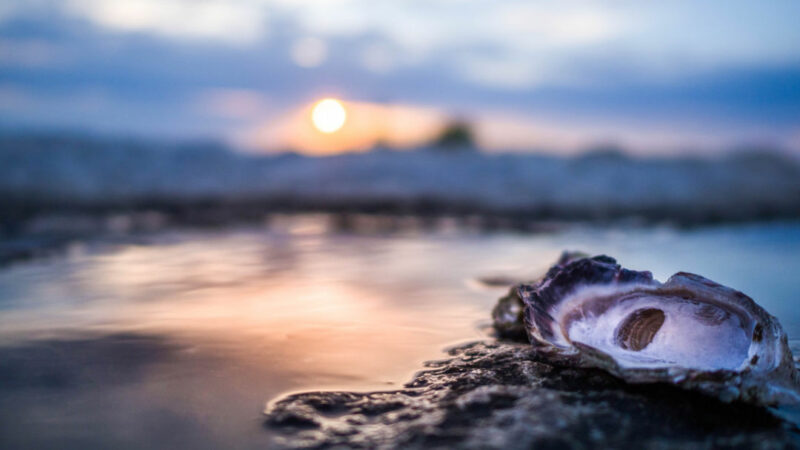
[(498, 395)]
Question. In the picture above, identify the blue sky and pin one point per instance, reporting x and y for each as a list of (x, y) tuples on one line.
[(655, 76)]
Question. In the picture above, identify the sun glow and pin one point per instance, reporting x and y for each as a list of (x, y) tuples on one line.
[(366, 125), (328, 115)]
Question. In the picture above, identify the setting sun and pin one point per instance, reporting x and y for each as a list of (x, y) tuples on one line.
[(328, 115)]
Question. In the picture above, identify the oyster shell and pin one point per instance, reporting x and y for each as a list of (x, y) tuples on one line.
[(507, 314), (689, 331)]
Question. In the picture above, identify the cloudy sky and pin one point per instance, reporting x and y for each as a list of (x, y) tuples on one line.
[(560, 75)]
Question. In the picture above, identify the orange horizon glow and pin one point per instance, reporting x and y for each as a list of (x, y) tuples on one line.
[(368, 125), (356, 127)]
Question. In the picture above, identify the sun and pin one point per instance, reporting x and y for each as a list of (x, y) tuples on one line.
[(328, 115)]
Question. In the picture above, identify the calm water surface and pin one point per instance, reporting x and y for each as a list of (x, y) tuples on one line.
[(177, 339)]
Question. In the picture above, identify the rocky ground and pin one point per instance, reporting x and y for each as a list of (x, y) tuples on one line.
[(500, 395)]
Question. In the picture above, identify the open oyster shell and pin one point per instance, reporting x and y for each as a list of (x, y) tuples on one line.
[(689, 331)]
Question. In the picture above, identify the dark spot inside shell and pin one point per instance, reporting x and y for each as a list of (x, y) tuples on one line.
[(758, 333), (638, 329), (754, 360)]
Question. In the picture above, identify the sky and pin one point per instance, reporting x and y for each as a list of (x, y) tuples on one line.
[(655, 77)]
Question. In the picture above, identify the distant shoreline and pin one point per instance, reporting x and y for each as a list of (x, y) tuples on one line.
[(206, 184), (214, 211)]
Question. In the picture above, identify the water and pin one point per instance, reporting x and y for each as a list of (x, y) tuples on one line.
[(177, 339)]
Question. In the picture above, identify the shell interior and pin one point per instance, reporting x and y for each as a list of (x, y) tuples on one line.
[(643, 330)]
